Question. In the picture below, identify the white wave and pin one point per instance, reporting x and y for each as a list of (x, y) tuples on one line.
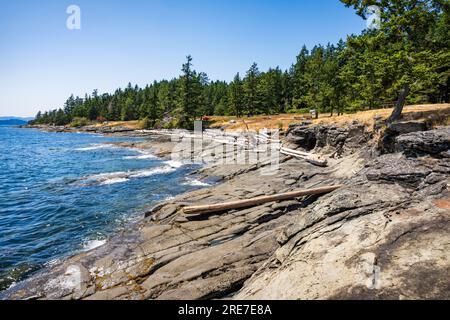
[(152, 172), (174, 163), (12, 285), (106, 176), (195, 183), (143, 155), (120, 176), (92, 244), (96, 147), (113, 181), (52, 262)]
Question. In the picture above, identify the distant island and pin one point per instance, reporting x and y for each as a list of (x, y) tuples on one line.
[(13, 121)]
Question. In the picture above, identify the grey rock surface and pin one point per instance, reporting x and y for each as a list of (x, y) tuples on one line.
[(432, 142), (329, 138), (385, 234)]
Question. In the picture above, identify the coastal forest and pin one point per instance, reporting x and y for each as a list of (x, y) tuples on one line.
[(404, 57)]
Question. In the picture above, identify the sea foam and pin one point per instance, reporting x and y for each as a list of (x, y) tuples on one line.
[(174, 163), (96, 146), (121, 176), (152, 172), (142, 156), (113, 181), (195, 183), (92, 244)]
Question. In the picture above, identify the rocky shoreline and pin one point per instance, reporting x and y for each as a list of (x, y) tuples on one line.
[(384, 235)]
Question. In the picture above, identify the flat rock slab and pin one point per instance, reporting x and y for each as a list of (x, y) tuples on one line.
[(384, 235)]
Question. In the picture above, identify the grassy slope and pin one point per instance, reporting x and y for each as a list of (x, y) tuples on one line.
[(440, 111), (416, 112)]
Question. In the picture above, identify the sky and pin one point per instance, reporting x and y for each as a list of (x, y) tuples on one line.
[(42, 62)]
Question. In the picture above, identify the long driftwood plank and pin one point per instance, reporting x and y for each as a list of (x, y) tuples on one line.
[(311, 158), (211, 208)]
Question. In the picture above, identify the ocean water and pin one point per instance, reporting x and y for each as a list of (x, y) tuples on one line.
[(64, 193)]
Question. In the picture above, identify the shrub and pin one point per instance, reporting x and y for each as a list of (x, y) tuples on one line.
[(300, 111), (79, 122), (145, 124), (280, 125)]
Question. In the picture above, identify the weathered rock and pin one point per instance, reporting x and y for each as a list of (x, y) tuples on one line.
[(403, 127), (393, 130), (303, 136), (379, 238), (329, 138), (434, 142), (386, 234), (169, 255), (393, 168)]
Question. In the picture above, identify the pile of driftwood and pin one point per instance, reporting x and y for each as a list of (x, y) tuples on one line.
[(253, 139), (239, 204), (310, 157), (248, 141)]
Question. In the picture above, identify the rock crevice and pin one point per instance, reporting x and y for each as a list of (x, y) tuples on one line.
[(385, 234)]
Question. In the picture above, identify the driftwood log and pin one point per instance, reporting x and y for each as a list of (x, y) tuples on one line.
[(311, 158), (239, 204)]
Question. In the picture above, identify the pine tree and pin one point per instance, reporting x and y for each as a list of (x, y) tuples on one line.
[(299, 82), (236, 97), (251, 89), (404, 34), (190, 94)]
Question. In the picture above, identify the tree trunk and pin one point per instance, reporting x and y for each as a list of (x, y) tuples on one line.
[(400, 104), (239, 204)]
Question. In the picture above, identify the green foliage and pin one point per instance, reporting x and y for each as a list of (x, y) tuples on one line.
[(411, 49), (402, 55), (236, 97), (79, 122), (190, 94), (300, 111), (251, 89)]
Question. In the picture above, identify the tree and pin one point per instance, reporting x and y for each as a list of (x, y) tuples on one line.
[(154, 110), (190, 94), (165, 97), (314, 79), (299, 82), (60, 118), (269, 92), (250, 89), (407, 58), (287, 90), (236, 97), (69, 106), (405, 26), (127, 111)]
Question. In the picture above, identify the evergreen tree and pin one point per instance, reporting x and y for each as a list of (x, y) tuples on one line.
[(236, 97), (406, 59), (299, 82), (190, 94), (251, 89), (405, 32)]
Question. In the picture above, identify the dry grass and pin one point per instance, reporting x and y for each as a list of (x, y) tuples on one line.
[(136, 124), (440, 112)]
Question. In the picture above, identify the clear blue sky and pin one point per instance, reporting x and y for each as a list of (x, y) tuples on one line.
[(42, 62)]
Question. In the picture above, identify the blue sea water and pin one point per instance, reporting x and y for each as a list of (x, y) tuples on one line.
[(63, 193)]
